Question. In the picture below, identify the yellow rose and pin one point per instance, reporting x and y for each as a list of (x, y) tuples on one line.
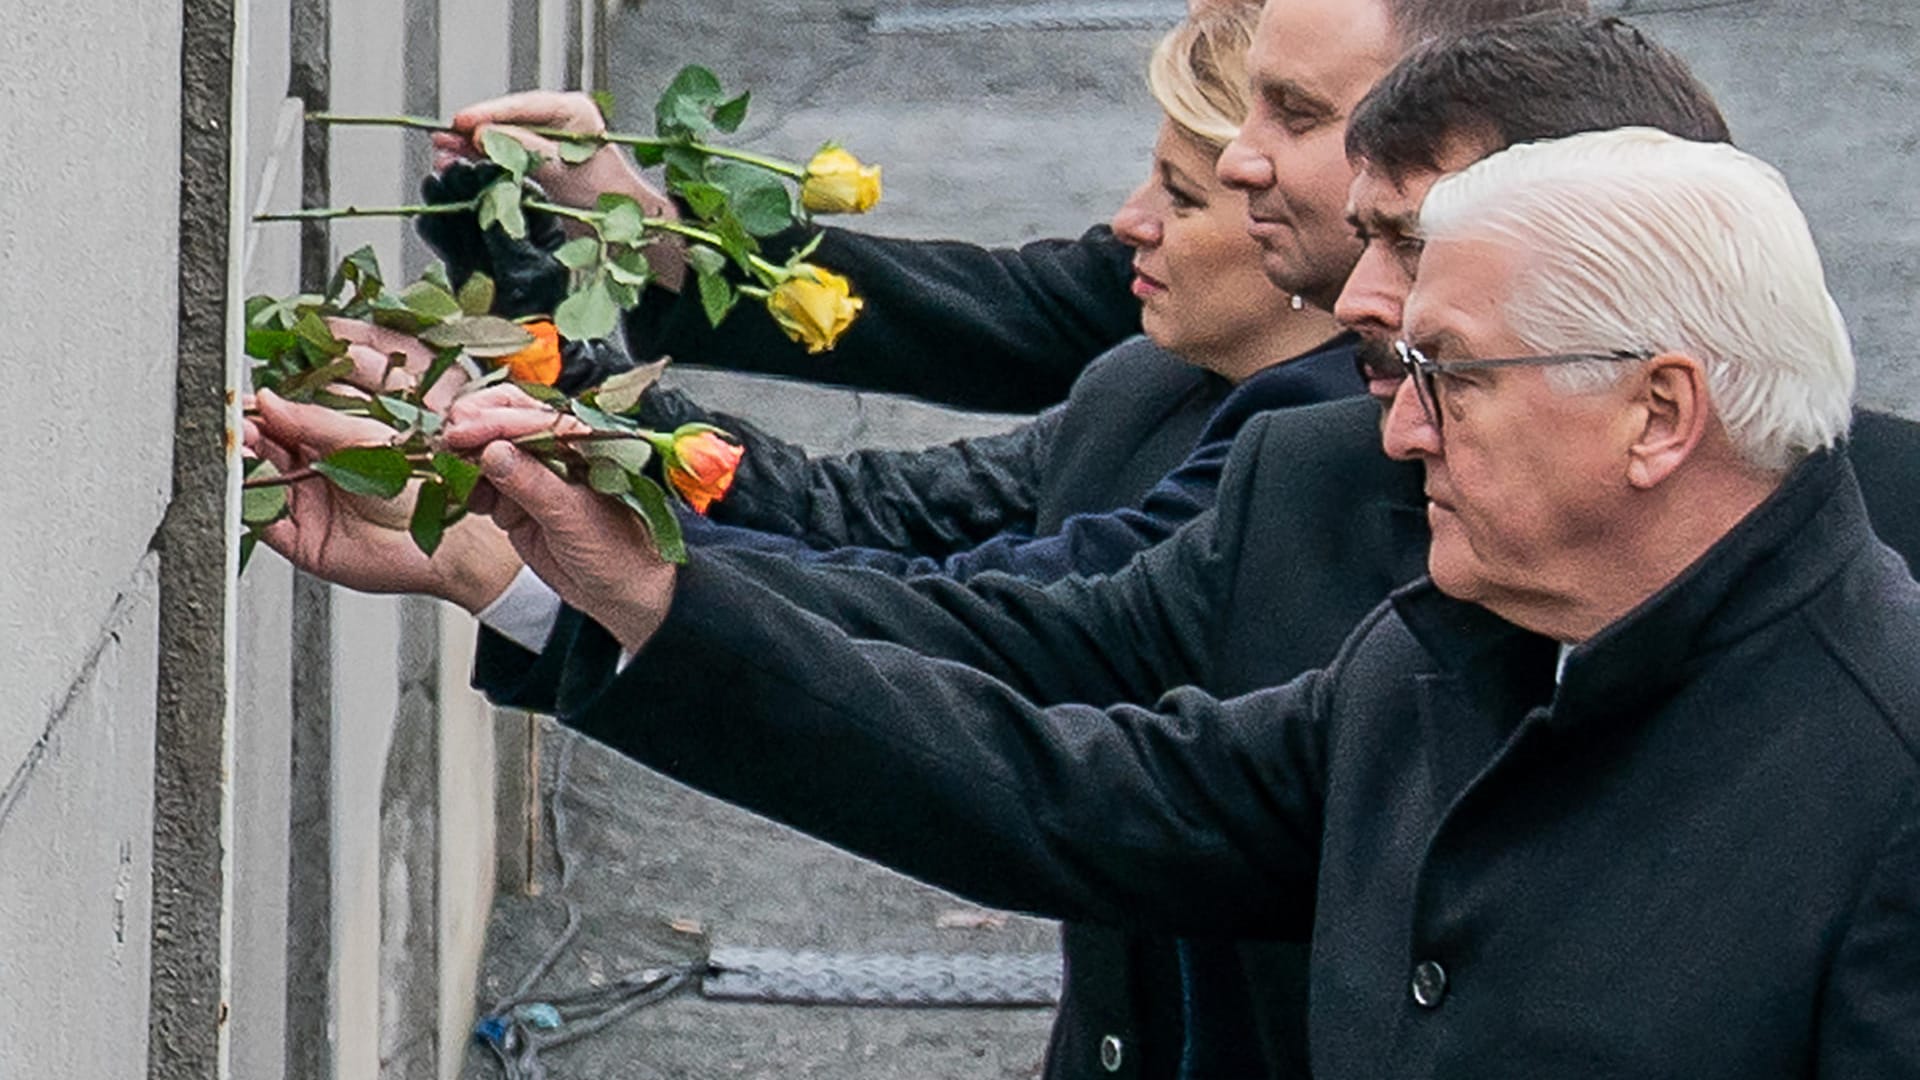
[(837, 183), (814, 306)]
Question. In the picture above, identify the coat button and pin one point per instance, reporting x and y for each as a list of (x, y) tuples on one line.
[(1429, 985), (1112, 1053)]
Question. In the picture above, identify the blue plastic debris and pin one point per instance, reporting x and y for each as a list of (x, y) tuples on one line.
[(491, 1028), (539, 1014)]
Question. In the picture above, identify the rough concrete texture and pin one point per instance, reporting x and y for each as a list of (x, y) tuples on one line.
[(1826, 92), (85, 242), (645, 851), (76, 868)]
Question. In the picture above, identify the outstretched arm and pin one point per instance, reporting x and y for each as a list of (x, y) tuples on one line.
[(1195, 816)]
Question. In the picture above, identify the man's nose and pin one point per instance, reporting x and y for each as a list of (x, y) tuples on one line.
[(1407, 434), (1373, 296), (1242, 167)]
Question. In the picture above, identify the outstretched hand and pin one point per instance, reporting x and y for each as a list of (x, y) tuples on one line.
[(594, 552), (609, 170), (362, 542)]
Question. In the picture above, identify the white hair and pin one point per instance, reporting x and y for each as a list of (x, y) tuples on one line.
[(1634, 239)]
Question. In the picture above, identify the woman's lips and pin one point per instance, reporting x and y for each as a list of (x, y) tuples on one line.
[(1145, 285)]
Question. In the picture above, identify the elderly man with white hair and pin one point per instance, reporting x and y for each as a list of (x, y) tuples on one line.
[(1630, 786)]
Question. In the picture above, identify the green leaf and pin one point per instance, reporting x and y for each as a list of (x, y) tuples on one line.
[(728, 115), (258, 307), (428, 523), (460, 475), (483, 336), (379, 471), (306, 384), (716, 297), (264, 344), (497, 375), (624, 295), (760, 199), (388, 311), (362, 269), (578, 253), (620, 394), (316, 340), (608, 477), (647, 500), (807, 248), (436, 272), (443, 361), (704, 260), (600, 421), (258, 506), (501, 202), (630, 269), (684, 164), (703, 198), (587, 314), (624, 222), (537, 392), (649, 155), (734, 240), (631, 455), (603, 100), (573, 153), (248, 541), (476, 296), (400, 413), (684, 106), (505, 151), (431, 302)]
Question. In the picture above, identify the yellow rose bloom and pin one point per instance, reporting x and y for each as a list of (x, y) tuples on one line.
[(814, 307), (837, 183)]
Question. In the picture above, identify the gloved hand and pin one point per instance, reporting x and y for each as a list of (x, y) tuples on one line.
[(527, 279)]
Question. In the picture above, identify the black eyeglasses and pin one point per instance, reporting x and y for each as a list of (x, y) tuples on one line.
[(1425, 372)]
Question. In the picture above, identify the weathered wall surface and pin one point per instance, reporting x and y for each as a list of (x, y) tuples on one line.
[(89, 108), (1827, 92)]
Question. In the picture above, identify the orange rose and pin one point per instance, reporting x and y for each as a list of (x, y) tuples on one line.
[(700, 465), (540, 361)]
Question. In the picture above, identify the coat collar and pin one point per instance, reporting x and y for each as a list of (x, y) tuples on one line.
[(1767, 565)]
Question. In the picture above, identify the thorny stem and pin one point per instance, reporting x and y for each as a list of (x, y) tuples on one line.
[(535, 439), (325, 212), (421, 123)]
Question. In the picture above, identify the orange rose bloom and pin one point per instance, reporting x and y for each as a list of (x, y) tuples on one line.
[(700, 466), (540, 361)]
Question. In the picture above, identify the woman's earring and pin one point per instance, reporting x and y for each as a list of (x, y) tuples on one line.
[(1298, 302)]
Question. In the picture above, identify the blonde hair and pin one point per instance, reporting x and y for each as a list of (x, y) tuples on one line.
[(1198, 72), (1636, 239)]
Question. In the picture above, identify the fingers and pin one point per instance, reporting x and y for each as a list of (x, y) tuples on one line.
[(528, 492), (357, 332), (449, 147), (534, 108), (374, 370), (319, 429), (500, 413)]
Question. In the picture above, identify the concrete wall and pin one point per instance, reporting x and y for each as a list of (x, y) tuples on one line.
[(88, 243), (1001, 136)]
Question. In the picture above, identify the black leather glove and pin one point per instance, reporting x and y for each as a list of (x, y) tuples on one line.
[(527, 279)]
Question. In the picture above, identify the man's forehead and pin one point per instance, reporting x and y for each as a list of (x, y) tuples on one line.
[(1332, 49), (1458, 291), (1375, 198)]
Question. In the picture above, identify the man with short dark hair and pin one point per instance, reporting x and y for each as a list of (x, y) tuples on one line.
[(1629, 786)]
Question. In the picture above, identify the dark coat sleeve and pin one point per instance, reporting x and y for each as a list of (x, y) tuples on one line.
[(1204, 818), (966, 326), (1126, 637), (1086, 544), (932, 501), (1870, 1019)]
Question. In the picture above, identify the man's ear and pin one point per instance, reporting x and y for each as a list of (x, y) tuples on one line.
[(1674, 415)]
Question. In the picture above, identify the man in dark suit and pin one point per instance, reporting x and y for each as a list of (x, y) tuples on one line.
[(1538, 816)]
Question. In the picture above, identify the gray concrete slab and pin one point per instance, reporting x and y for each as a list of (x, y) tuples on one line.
[(646, 852)]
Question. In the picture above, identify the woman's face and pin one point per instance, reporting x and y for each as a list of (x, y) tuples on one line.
[(1197, 273)]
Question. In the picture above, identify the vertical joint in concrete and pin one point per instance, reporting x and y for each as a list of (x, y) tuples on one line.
[(188, 1012), (310, 992)]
